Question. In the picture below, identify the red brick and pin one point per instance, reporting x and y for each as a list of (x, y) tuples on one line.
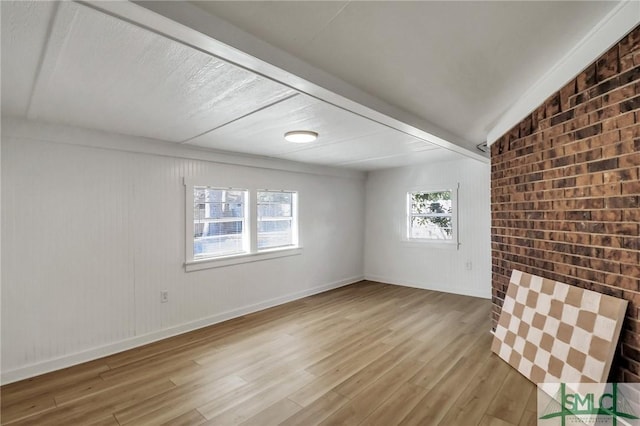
[(577, 123), (565, 93), (600, 165), (607, 241), (617, 149), (619, 175), (553, 105), (630, 43), (631, 215), (606, 215), (605, 139), (586, 79), (627, 62), (629, 160), (590, 106), (623, 256), (619, 122), (631, 187), (608, 188), (630, 104), (618, 95), (565, 191), (620, 228), (607, 65), (591, 155), (622, 281), (630, 270), (589, 131)]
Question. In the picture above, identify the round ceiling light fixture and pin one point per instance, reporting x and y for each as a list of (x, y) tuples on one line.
[(301, 136)]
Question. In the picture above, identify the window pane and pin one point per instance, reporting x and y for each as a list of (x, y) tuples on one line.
[(274, 210), (219, 222), (275, 219), (198, 229), (431, 202), (274, 233), (275, 197), (433, 228), (431, 215), (221, 210)]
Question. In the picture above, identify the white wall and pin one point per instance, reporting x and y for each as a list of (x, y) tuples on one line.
[(430, 266), (91, 233), (93, 230)]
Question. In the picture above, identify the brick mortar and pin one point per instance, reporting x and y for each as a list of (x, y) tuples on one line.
[(565, 192)]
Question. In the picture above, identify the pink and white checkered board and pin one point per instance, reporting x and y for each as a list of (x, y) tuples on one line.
[(554, 332)]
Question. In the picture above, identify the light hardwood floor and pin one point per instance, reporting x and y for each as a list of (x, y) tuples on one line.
[(368, 353)]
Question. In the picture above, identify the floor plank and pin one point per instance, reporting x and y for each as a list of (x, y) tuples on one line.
[(314, 413), (274, 414), (397, 406), (190, 418), (368, 354), (488, 420), (474, 400), (511, 401), (359, 408)]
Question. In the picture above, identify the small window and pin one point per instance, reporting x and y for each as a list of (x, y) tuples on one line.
[(431, 215), (219, 223), (277, 225)]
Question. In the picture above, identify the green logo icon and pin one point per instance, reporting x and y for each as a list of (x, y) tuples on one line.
[(611, 405)]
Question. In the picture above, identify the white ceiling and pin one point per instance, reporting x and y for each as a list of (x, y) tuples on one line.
[(345, 139), (459, 65), (93, 70), (102, 73), (456, 64)]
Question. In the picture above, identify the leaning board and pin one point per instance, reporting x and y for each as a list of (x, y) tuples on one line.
[(554, 332)]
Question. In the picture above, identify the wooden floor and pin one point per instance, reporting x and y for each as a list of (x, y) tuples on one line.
[(369, 353)]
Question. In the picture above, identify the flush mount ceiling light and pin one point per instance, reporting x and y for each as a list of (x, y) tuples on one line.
[(301, 136)]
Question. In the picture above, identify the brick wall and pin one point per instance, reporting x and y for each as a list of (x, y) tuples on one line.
[(565, 191)]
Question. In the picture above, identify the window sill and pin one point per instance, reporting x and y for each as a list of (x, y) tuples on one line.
[(437, 244), (219, 262)]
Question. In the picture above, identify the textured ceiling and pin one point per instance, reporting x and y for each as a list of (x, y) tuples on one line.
[(96, 71), (458, 65), (103, 73), (455, 65)]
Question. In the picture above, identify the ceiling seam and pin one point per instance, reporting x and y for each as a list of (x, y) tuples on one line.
[(41, 60), (186, 141), (234, 63)]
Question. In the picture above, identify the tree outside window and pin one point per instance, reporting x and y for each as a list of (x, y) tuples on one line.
[(431, 215)]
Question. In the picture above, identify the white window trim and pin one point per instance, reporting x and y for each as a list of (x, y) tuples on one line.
[(294, 221), (454, 242), (251, 220), (218, 262)]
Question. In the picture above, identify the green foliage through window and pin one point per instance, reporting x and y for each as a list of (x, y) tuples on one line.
[(431, 215)]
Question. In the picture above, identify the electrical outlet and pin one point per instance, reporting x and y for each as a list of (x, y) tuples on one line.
[(468, 265), (164, 296)]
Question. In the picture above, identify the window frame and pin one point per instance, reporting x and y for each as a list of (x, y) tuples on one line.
[(294, 220), (250, 222), (454, 240), (246, 229)]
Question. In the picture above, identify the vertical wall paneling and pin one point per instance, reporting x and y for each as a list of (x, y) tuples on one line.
[(92, 235), (433, 266)]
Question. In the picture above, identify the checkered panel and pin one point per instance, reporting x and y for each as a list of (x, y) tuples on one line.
[(554, 332)]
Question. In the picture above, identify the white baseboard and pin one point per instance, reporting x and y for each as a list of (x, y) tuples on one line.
[(133, 342), (444, 289)]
